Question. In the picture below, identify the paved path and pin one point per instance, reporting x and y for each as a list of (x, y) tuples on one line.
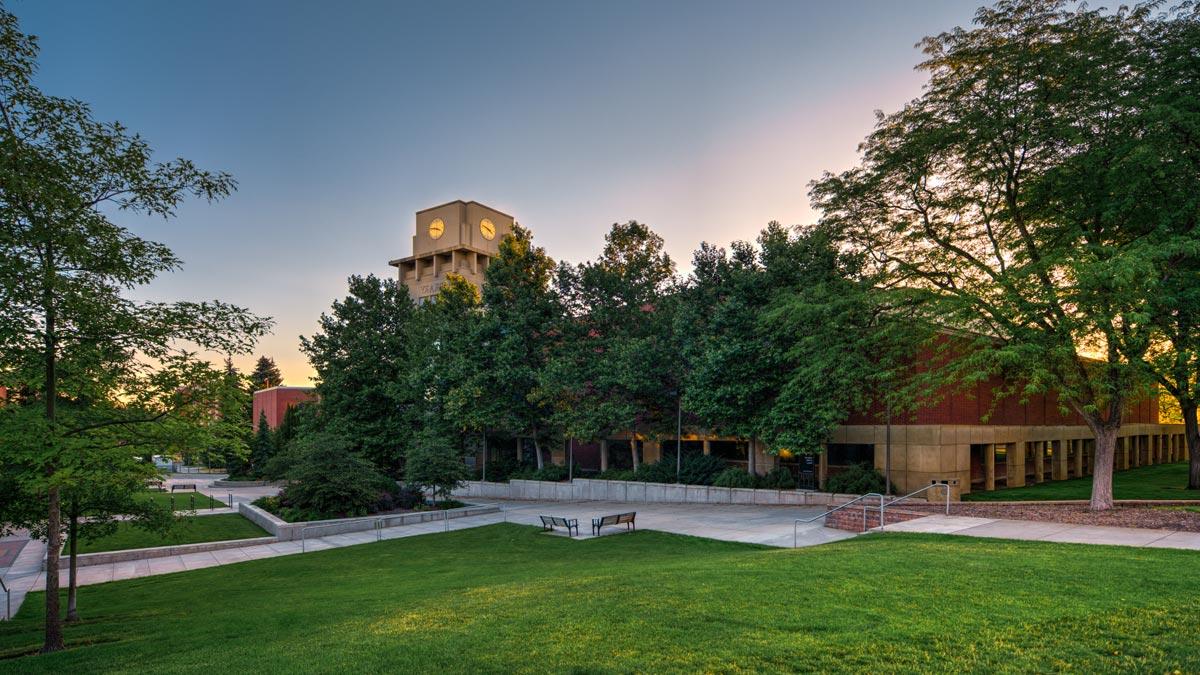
[(1042, 531)]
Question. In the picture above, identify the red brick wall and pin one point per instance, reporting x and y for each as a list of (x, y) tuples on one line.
[(275, 402), (969, 407), (851, 519)]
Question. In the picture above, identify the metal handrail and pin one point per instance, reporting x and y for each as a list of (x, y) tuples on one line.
[(796, 524), (883, 506), (7, 599)]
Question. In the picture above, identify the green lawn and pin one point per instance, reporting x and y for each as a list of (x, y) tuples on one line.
[(189, 530), (183, 500), (505, 598), (1161, 481)]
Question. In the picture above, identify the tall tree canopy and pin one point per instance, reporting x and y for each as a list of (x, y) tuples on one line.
[(68, 331), (512, 340), (362, 355), (992, 194), (616, 367)]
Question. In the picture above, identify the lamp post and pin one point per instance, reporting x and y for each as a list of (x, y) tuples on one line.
[(678, 437), (887, 450)]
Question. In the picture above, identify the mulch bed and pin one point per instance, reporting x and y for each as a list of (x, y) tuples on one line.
[(1157, 518)]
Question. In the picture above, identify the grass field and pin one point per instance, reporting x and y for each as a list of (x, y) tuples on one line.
[(505, 598), (188, 530), (183, 500), (1161, 481)]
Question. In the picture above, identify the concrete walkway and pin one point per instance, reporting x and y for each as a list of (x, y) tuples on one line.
[(1028, 530)]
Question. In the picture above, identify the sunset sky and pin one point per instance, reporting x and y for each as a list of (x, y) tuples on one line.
[(705, 120)]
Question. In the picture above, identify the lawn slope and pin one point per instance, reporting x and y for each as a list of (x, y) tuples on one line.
[(505, 598)]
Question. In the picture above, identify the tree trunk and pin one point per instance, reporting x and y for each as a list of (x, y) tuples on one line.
[(1106, 446), (1191, 432), (54, 631), (750, 466), (72, 582), (537, 450)]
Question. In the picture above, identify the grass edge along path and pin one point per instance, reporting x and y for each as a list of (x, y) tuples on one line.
[(1158, 481), (504, 598)]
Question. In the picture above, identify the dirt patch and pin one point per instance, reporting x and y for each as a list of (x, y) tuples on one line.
[(1151, 517)]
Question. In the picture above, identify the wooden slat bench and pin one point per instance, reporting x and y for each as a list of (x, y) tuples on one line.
[(549, 523), (626, 519), (183, 486)]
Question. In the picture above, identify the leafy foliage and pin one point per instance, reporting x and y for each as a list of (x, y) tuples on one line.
[(856, 479), (734, 477)]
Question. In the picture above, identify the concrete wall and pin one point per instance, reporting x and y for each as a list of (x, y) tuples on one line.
[(585, 489), (286, 531)]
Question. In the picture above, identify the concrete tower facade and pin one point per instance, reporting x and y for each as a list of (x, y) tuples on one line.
[(457, 237)]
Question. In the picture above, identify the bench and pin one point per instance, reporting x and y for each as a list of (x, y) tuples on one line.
[(183, 486), (549, 522), (156, 485), (615, 519)]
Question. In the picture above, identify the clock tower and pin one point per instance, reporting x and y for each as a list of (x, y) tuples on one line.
[(457, 237)]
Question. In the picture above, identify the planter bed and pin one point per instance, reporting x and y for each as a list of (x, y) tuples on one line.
[(286, 531), (1151, 515)]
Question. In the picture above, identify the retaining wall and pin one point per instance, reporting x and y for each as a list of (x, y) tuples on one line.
[(105, 557), (851, 518), (286, 531), (588, 489)]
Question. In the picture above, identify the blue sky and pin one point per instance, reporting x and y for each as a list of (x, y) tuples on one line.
[(703, 119)]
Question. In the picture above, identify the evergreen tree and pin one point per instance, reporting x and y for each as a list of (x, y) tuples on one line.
[(363, 355), (265, 374)]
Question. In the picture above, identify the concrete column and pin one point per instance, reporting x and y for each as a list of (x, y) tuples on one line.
[(604, 455), (1060, 459), (1078, 446), (1039, 461), (707, 447), (751, 451), (1122, 459), (1016, 464), (823, 467), (989, 467)]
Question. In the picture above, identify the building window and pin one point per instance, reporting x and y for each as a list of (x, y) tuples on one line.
[(846, 454)]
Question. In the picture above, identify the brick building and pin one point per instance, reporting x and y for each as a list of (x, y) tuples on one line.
[(275, 401)]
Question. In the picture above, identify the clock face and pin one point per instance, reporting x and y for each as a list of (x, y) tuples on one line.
[(436, 228), (487, 229)]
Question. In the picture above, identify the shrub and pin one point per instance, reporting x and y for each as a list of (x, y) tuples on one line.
[(662, 471), (778, 478), (856, 480), (329, 480), (615, 474), (504, 468), (550, 472), (434, 464), (700, 469), (734, 477)]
